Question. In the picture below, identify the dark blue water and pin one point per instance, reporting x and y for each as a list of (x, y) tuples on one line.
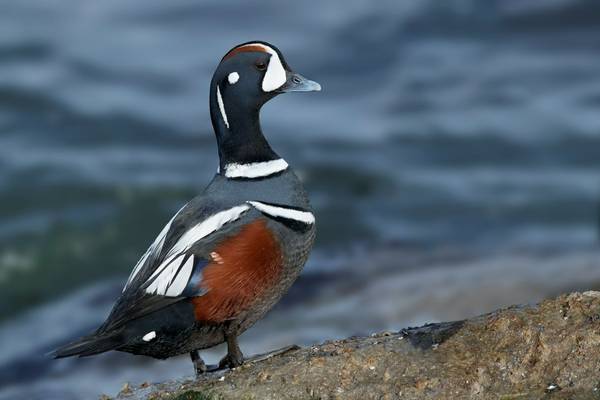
[(455, 145)]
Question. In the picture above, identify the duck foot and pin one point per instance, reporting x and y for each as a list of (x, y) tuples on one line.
[(231, 361), (234, 357), (199, 365), (227, 362)]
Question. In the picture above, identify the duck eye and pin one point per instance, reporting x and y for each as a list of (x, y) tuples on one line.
[(261, 66)]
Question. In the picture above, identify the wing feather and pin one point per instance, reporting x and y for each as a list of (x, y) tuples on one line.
[(174, 261), (153, 251)]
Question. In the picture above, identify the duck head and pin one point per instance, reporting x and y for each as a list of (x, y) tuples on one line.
[(248, 76)]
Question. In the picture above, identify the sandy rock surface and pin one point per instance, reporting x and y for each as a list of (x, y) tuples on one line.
[(551, 350)]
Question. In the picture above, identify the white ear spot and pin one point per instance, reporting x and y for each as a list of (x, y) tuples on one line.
[(233, 78)]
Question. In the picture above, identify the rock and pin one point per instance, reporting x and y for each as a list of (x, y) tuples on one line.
[(551, 350)]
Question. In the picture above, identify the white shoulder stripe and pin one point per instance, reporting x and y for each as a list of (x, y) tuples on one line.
[(255, 170), (289, 213), (154, 249)]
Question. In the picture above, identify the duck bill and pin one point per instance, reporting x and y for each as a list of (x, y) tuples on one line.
[(297, 83)]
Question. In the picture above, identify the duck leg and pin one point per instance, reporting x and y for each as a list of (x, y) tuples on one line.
[(234, 357), (199, 365)]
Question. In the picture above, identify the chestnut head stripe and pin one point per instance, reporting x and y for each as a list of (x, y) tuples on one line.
[(245, 48)]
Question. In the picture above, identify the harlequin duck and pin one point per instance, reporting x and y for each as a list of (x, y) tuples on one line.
[(230, 254)]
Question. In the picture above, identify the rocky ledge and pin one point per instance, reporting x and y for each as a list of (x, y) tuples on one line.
[(550, 350)]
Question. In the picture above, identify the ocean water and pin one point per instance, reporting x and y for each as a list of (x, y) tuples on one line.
[(452, 159)]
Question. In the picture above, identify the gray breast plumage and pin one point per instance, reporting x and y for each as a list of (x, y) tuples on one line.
[(284, 188), (295, 237)]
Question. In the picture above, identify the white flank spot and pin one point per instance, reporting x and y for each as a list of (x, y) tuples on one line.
[(288, 213), (222, 107), (255, 170), (165, 280), (149, 336), (154, 248), (233, 78)]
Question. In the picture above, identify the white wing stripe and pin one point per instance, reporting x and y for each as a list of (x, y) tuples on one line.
[(289, 213), (167, 282), (161, 267), (137, 267), (171, 277), (167, 270), (182, 279), (154, 248), (206, 227)]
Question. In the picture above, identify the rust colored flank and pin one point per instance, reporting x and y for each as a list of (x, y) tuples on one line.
[(245, 48), (249, 264)]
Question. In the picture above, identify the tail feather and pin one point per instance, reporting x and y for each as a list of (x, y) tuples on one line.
[(88, 346)]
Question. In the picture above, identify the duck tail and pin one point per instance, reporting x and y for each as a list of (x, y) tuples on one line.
[(88, 346)]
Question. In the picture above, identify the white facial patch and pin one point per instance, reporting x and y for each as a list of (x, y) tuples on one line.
[(275, 76), (233, 77), (149, 336), (222, 107), (255, 170)]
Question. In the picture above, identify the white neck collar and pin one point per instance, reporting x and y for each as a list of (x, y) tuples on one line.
[(255, 170)]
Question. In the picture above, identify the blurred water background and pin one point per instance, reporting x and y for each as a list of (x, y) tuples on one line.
[(452, 159)]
